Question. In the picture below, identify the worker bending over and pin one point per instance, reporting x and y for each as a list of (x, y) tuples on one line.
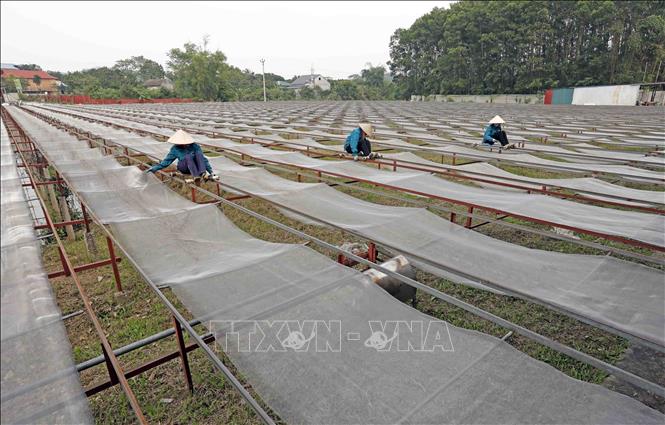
[(494, 133), (357, 142), (189, 155)]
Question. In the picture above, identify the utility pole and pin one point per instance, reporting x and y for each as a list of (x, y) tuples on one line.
[(263, 71)]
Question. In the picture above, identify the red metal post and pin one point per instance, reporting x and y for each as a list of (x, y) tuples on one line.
[(183, 355), (85, 219), (83, 267), (371, 252), (114, 264), (109, 366), (64, 263), (468, 219)]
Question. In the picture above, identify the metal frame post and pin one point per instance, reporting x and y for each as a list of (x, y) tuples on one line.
[(183, 355), (114, 264)]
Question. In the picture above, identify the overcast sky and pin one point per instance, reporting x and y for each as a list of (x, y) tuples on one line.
[(336, 38)]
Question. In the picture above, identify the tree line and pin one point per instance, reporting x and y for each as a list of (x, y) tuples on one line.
[(473, 47), (491, 47), (201, 74)]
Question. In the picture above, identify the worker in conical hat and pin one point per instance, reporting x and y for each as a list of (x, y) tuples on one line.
[(191, 159), (494, 133), (357, 142)]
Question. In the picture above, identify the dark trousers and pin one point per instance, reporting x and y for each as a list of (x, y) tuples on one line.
[(193, 163), (502, 138), (364, 148)]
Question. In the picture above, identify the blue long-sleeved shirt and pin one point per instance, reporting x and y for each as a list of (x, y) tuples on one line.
[(352, 141), (491, 133), (179, 152)]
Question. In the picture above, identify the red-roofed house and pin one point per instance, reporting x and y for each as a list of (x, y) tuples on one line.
[(32, 81)]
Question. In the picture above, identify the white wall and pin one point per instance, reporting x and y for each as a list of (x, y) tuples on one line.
[(493, 98), (322, 83), (606, 95)]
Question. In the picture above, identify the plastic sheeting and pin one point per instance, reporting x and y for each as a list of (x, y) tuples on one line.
[(582, 184), (639, 226), (227, 129), (406, 131), (565, 281), (631, 173), (647, 228), (628, 156), (222, 273), (34, 342), (626, 296), (622, 125)]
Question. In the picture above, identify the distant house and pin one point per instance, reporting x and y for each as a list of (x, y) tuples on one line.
[(158, 83), (32, 81), (282, 84), (311, 81)]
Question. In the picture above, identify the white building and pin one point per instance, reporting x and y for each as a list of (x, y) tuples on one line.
[(311, 81), (159, 83)]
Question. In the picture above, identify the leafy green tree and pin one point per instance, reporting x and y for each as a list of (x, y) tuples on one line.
[(487, 47), (139, 68), (204, 75), (29, 67), (307, 93), (344, 90), (373, 75)]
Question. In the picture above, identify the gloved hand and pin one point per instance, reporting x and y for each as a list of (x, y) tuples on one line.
[(148, 171), (355, 157)]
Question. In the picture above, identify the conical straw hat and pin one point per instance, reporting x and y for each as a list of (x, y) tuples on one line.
[(181, 138), (367, 128), (497, 120)]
